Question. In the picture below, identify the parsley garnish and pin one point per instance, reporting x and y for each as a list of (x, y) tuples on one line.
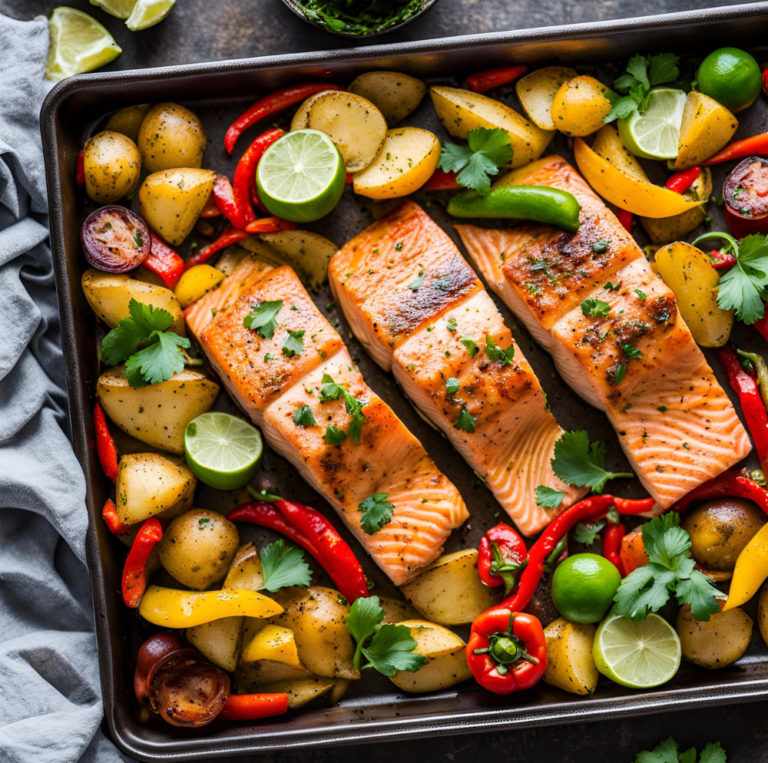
[(587, 533), (452, 385), (304, 417), (579, 463), (465, 422), (268, 494), (488, 151), (294, 344), (377, 512), (641, 294), (263, 318), (612, 286), (334, 436), (595, 308), (138, 241), (329, 390), (494, 352), (619, 373), (452, 325), (744, 288), (631, 351), (269, 356), (284, 567), (470, 345), (643, 73), (414, 285), (548, 497), (667, 752), (601, 246)]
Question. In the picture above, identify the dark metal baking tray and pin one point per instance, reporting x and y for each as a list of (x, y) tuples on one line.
[(373, 710)]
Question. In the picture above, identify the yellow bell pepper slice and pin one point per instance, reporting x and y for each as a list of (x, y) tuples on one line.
[(171, 608), (195, 282), (625, 191), (273, 642), (750, 572)]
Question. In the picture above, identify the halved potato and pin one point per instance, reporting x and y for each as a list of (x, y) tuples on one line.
[(148, 484), (353, 123), (690, 275), (396, 95), (406, 161), (249, 677), (128, 121), (570, 664), (449, 591), (302, 691), (219, 641), (156, 414), (608, 144), (537, 90), (300, 119), (580, 105), (170, 201), (664, 230), (446, 655), (395, 611), (717, 642), (171, 136), (272, 642), (706, 127), (462, 110)]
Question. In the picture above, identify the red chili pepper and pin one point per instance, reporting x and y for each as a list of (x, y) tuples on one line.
[(227, 238), (164, 262), (752, 404), (266, 515), (272, 104), (502, 555), (348, 180), (270, 225), (765, 81), (612, 538), (625, 218), (244, 181), (762, 324), (506, 650), (251, 707), (112, 518), (210, 209), (680, 182), (730, 484), (135, 570), (757, 145), (223, 195), (105, 445), (722, 261), (80, 169), (441, 181), (482, 82)]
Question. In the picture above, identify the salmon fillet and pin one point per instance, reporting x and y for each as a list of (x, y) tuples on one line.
[(270, 387), (675, 423), (421, 312)]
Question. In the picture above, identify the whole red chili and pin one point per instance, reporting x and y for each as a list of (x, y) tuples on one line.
[(251, 707), (482, 82), (626, 218), (612, 538), (270, 225), (80, 169), (502, 555), (244, 181), (223, 195), (506, 650), (227, 238), (441, 181), (163, 261), (112, 518), (135, 570), (680, 182), (757, 145), (729, 484), (105, 445)]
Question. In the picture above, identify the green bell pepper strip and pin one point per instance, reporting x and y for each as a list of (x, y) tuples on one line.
[(520, 202)]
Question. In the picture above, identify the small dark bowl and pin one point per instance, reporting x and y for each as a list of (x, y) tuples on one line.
[(296, 8)]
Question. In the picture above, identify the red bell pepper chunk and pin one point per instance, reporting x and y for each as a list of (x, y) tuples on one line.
[(441, 181), (251, 707), (105, 445), (680, 182), (721, 261), (112, 518), (244, 182), (210, 209), (482, 82), (273, 104), (164, 261), (135, 570), (227, 238), (80, 170), (348, 180), (502, 555), (270, 225), (757, 145), (626, 218)]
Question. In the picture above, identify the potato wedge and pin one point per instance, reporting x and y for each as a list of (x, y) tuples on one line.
[(249, 677), (706, 127), (112, 166), (110, 294), (300, 119), (690, 275), (246, 572), (537, 90), (196, 282), (406, 161), (718, 642), (170, 201), (353, 123), (396, 95), (395, 611), (608, 145), (171, 136), (159, 413), (462, 110), (148, 484), (446, 655), (220, 641), (570, 665), (302, 691), (580, 105), (449, 591), (128, 121)]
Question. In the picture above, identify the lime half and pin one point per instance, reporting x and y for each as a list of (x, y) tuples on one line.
[(301, 176), (78, 44), (637, 653), (119, 8), (222, 450), (654, 133), (147, 13)]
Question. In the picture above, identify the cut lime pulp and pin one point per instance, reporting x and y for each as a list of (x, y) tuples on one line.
[(222, 451), (147, 13), (654, 133), (118, 8), (301, 176)]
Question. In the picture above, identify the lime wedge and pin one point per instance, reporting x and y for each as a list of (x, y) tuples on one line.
[(78, 44), (301, 176), (119, 8), (147, 13), (637, 653), (223, 451), (654, 133)]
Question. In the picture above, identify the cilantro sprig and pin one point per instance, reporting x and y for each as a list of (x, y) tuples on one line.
[(330, 390), (284, 566), (548, 497), (580, 463), (744, 288), (643, 73), (263, 318), (377, 512), (588, 533), (667, 752), (494, 352), (488, 151)]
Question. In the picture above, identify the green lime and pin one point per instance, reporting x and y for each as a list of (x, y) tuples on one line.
[(654, 133), (119, 8), (583, 587), (147, 13), (223, 451), (637, 653), (730, 76), (78, 44), (301, 176)]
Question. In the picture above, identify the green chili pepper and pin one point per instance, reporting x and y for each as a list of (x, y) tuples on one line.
[(520, 202), (761, 369)]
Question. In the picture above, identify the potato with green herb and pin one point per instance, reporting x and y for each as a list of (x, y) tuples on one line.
[(171, 136), (112, 165)]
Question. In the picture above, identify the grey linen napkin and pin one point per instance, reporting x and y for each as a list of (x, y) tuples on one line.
[(50, 698)]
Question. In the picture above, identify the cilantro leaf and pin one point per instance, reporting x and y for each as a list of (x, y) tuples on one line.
[(548, 497), (465, 422), (494, 352), (391, 649), (364, 615), (662, 68), (452, 325), (713, 753), (263, 318), (268, 494), (744, 288), (579, 463), (638, 68), (334, 436), (160, 359), (293, 345), (488, 151), (125, 339), (631, 351), (304, 417), (664, 752), (623, 108), (587, 533), (416, 283), (667, 752), (644, 589), (664, 540), (284, 567), (595, 308), (355, 428), (377, 512), (699, 592), (470, 345), (329, 390), (452, 385), (689, 756)]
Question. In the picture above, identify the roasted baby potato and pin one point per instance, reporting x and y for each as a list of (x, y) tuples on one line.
[(446, 655), (664, 230), (112, 167), (690, 275), (580, 105), (608, 145), (198, 548), (196, 282), (110, 294), (395, 611), (149, 484), (537, 90), (171, 136), (156, 414), (449, 591), (715, 643), (170, 201), (406, 161), (128, 121), (570, 664), (396, 95), (706, 127), (353, 123), (462, 110), (300, 119)]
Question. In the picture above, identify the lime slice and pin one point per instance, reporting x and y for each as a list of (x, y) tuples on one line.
[(637, 653), (654, 133), (223, 451), (301, 177), (120, 8), (78, 44), (147, 13)]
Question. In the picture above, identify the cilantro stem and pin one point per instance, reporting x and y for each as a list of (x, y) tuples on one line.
[(358, 656)]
